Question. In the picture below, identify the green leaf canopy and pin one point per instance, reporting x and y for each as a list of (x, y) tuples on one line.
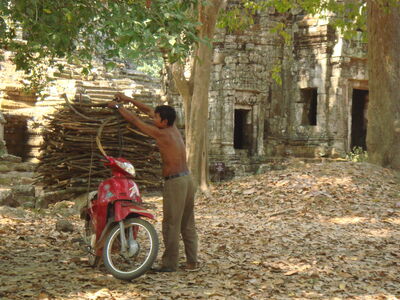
[(80, 30)]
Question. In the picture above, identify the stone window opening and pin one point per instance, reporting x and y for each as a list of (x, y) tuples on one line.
[(309, 97), (242, 129), (359, 119)]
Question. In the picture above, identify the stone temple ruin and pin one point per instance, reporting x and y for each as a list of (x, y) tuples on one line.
[(318, 111)]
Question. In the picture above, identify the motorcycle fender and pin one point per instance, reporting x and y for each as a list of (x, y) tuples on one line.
[(117, 188), (123, 208)]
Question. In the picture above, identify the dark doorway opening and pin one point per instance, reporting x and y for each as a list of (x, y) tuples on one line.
[(309, 97), (16, 135), (359, 119), (242, 130)]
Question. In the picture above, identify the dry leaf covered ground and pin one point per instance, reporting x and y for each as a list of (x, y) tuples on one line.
[(310, 231)]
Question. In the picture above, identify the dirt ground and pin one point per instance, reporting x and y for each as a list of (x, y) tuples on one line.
[(309, 231)]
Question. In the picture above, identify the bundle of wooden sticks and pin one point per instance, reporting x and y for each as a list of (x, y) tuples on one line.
[(77, 134)]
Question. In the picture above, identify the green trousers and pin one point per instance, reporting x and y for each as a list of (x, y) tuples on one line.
[(178, 219)]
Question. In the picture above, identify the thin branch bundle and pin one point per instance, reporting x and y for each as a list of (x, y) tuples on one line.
[(74, 137)]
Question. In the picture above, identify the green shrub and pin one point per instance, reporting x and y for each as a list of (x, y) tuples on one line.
[(357, 155)]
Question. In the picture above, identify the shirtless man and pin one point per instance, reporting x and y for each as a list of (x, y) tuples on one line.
[(178, 193)]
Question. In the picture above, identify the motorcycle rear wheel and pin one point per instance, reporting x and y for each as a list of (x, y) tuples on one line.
[(144, 249)]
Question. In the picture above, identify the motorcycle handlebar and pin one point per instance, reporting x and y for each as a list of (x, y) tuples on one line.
[(98, 155), (102, 158)]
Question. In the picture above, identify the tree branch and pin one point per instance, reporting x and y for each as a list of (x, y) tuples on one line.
[(182, 84)]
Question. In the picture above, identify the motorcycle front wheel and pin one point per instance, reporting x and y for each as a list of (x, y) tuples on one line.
[(142, 241)]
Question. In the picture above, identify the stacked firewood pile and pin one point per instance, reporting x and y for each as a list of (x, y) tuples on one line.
[(74, 139)]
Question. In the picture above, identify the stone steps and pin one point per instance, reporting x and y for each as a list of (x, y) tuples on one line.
[(93, 86), (105, 92), (101, 96), (9, 105), (96, 92), (17, 186)]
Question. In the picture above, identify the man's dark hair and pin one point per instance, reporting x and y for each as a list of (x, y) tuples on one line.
[(166, 112)]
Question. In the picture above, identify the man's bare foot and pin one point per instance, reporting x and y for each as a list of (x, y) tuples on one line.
[(191, 267), (162, 270)]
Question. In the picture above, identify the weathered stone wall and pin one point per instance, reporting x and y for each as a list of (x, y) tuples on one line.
[(3, 148), (242, 82), (277, 116), (323, 60)]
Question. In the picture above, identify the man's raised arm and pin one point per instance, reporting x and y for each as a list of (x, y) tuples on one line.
[(141, 106), (132, 118)]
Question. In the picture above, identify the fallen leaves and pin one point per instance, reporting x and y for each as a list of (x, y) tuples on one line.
[(309, 231)]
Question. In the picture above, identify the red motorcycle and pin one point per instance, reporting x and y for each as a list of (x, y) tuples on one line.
[(115, 229)]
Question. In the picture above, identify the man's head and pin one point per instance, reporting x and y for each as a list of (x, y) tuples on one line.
[(167, 113)]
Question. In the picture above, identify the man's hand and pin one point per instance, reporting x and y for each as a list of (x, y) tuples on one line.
[(122, 97), (141, 106), (113, 104)]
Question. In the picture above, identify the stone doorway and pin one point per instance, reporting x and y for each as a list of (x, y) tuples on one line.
[(242, 130), (16, 135), (359, 119)]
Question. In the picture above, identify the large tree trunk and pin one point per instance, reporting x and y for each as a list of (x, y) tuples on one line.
[(383, 132), (194, 92)]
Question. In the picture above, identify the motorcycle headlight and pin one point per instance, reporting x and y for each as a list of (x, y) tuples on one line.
[(127, 167)]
